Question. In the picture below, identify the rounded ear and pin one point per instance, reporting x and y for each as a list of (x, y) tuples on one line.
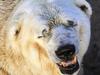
[(84, 6)]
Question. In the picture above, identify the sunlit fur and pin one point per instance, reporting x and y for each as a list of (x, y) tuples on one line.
[(24, 50)]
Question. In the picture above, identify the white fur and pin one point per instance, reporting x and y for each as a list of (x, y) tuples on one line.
[(30, 10)]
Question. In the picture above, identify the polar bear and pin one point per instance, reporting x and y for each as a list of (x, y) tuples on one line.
[(45, 37)]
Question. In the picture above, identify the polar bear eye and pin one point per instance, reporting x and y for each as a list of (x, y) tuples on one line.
[(44, 33), (71, 23)]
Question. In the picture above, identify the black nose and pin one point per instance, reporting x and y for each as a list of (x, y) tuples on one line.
[(65, 52)]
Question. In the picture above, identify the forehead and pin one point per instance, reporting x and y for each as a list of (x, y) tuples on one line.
[(60, 10), (63, 8)]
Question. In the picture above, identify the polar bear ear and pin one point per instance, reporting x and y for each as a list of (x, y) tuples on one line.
[(84, 6)]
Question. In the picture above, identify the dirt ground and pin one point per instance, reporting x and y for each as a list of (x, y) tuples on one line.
[(91, 61)]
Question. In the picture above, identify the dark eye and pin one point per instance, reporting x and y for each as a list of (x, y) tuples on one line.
[(44, 33), (71, 23), (40, 36)]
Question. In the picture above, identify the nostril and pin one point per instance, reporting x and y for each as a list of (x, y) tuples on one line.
[(65, 52)]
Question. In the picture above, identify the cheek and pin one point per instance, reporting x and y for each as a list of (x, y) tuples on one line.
[(40, 50)]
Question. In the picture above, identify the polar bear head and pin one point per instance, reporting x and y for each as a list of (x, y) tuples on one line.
[(61, 27)]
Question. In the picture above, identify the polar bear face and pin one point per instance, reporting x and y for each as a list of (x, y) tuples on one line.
[(61, 27)]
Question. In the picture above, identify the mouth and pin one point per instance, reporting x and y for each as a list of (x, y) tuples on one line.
[(69, 67), (68, 60)]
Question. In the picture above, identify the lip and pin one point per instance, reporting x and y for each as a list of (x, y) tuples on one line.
[(69, 67)]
